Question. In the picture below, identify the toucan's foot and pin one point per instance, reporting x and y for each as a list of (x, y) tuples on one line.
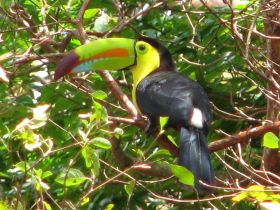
[(151, 128)]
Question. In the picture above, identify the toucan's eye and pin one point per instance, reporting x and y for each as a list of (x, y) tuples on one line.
[(142, 47)]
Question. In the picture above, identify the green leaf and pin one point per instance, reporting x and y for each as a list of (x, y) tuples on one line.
[(162, 122), (47, 206), (46, 174), (85, 201), (72, 177), (90, 13), (32, 141), (39, 172), (96, 164), (257, 192), (240, 197), (87, 153), (271, 141), (3, 128), (99, 94), (171, 138), (275, 198), (110, 206), (101, 143), (4, 175), (159, 154), (241, 5), (91, 159), (100, 112), (21, 166), (184, 175), (4, 205), (129, 187)]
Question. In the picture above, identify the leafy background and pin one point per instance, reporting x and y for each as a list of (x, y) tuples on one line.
[(73, 144)]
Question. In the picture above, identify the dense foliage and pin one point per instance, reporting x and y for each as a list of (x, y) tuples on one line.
[(73, 144)]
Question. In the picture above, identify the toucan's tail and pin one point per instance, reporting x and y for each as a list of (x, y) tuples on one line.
[(194, 155)]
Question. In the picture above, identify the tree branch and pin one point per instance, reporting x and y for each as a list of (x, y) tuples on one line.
[(118, 93), (244, 136), (18, 14), (124, 23), (228, 141), (213, 146), (271, 157), (81, 33)]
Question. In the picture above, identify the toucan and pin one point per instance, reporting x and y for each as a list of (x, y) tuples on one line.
[(159, 90)]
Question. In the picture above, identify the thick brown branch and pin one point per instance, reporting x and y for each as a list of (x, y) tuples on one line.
[(244, 136), (229, 141), (271, 157)]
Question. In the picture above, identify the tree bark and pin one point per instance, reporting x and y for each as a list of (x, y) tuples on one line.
[(271, 157)]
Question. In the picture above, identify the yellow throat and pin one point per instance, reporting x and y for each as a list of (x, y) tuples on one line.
[(147, 61)]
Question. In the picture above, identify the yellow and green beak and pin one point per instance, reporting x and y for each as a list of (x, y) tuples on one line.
[(101, 54)]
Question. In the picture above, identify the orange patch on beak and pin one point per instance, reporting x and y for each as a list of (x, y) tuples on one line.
[(118, 52)]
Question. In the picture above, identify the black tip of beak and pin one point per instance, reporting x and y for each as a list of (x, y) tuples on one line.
[(66, 65)]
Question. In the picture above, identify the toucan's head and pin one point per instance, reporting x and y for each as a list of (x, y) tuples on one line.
[(142, 56)]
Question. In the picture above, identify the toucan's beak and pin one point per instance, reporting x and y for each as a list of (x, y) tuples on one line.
[(101, 54)]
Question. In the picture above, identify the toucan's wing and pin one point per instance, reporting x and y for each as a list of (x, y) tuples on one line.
[(172, 94)]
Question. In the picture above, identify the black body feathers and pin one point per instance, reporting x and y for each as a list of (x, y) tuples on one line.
[(172, 94)]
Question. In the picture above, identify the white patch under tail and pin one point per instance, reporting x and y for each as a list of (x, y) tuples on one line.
[(197, 118)]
